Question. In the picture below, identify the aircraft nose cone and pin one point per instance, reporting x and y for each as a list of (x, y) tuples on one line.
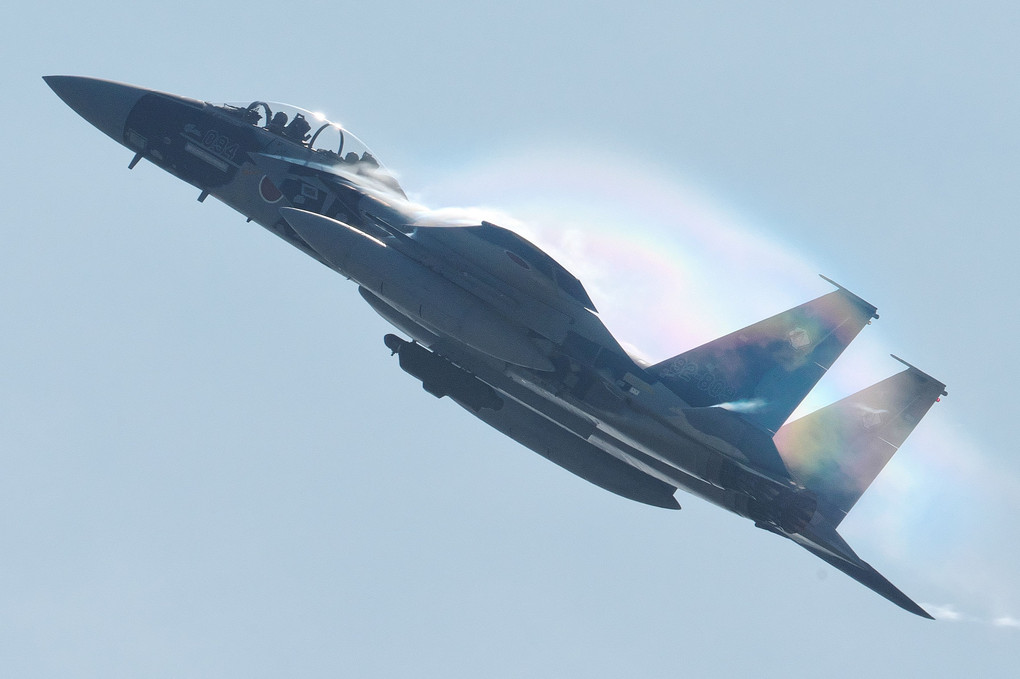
[(104, 103)]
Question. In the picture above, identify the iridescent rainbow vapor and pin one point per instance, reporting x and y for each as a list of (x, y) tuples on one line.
[(494, 322), (670, 267), (667, 265)]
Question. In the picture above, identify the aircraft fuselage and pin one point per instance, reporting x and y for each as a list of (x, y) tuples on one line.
[(509, 334), (469, 297)]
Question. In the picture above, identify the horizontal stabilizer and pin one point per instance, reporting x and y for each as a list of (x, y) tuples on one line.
[(837, 451), (765, 370)]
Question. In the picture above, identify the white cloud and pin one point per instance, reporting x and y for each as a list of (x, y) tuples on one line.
[(949, 612), (944, 612)]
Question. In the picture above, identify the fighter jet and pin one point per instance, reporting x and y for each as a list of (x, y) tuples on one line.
[(496, 324)]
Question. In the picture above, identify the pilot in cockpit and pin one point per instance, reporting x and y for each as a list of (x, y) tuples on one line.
[(278, 123), (298, 129)]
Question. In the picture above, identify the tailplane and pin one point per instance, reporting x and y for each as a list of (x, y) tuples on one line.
[(765, 370), (836, 452)]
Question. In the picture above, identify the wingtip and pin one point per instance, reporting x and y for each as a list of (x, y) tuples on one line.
[(909, 605), (915, 609), (830, 547)]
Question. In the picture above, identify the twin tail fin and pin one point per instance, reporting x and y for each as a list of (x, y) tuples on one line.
[(765, 370), (837, 451)]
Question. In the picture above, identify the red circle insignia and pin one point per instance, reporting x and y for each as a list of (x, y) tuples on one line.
[(268, 190)]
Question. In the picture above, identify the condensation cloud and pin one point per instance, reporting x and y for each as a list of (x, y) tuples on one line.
[(670, 267)]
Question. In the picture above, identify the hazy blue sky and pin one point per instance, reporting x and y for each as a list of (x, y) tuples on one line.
[(210, 466)]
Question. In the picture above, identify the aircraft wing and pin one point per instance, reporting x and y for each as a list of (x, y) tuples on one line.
[(822, 540)]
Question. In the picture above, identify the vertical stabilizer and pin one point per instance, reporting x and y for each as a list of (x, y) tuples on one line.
[(836, 452), (765, 370)]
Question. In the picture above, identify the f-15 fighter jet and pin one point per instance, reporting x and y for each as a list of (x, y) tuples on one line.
[(506, 332)]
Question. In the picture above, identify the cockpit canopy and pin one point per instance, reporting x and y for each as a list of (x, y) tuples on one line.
[(331, 146)]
